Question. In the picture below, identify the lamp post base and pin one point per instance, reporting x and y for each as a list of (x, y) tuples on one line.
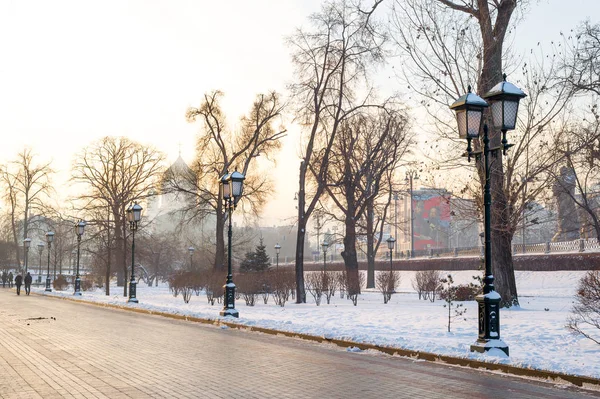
[(230, 312), (48, 289), (77, 287), (484, 346), (229, 301), (489, 324), (132, 293)]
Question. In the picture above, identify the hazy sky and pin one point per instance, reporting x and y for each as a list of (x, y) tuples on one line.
[(74, 71)]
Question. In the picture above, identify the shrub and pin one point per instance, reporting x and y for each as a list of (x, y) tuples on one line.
[(386, 283), (585, 319), (87, 284), (249, 286), (60, 283), (314, 285), (427, 284), (282, 283)]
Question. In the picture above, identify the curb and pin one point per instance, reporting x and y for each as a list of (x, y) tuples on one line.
[(553, 376)]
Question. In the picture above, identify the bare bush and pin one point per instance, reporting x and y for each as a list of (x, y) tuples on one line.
[(314, 285), (249, 285), (585, 319), (427, 284), (352, 285), (449, 295), (60, 283), (386, 283), (282, 283)]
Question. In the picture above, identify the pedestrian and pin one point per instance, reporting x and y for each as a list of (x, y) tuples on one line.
[(28, 279), (4, 278), (10, 279), (18, 282)]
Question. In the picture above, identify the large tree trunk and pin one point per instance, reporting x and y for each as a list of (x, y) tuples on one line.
[(220, 238), (502, 265)]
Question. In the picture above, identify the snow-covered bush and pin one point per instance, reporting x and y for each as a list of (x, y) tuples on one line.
[(585, 319)]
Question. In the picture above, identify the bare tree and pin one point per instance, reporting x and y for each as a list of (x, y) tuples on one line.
[(220, 150), (581, 63), (365, 154), (26, 188), (332, 60), (450, 44), (115, 172)]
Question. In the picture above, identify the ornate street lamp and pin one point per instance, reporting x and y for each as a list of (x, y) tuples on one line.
[(390, 242), (469, 108), (79, 230), (191, 251), (26, 245), (231, 186), (49, 239), (277, 249), (324, 246), (40, 246), (134, 215)]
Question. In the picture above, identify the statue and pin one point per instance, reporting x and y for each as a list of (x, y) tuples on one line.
[(564, 191)]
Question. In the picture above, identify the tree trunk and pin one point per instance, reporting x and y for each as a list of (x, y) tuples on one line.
[(220, 238), (300, 237), (370, 246)]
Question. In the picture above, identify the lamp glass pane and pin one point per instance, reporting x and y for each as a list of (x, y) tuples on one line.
[(497, 116), (226, 187), (461, 119), (130, 215), (473, 122), (236, 188), (137, 213), (510, 114)]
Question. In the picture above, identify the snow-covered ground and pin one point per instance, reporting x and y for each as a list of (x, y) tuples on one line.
[(535, 332)]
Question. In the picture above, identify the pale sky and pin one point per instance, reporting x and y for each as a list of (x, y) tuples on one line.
[(75, 71)]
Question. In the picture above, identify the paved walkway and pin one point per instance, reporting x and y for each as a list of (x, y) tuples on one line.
[(52, 348)]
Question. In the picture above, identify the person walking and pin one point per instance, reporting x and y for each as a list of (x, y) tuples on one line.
[(18, 282), (10, 279), (28, 280), (4, 278)]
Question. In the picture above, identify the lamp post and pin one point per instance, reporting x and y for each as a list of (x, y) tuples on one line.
[(277, 249), (410, 176), (324, 246), (49, 239), (134, 215), (390, 242), (231, 185), (40, 246), (79, 230), (26, 245), (504, 99), (191, 251)]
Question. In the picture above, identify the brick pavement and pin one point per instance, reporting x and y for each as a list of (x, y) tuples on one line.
[(51, 348)]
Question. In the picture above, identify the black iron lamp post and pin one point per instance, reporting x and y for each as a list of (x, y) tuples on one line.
[(277, 249), (26, 245), (49, 239), (40, 246), (191, 251), (390, 242), (134, 215), (231, 186), (504, 99), (79, 230), (324, 246)]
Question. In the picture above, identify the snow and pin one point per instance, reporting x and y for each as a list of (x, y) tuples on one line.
[(534, 332)]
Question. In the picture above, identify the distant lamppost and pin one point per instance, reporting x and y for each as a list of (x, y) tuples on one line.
[(134, 215), (277, 249), (79, 230), (49, 239), (504, 99), (390, 242), (231, 186), (26, 245), (410, 176), (40, 246), (324, 246), (191, 251)]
